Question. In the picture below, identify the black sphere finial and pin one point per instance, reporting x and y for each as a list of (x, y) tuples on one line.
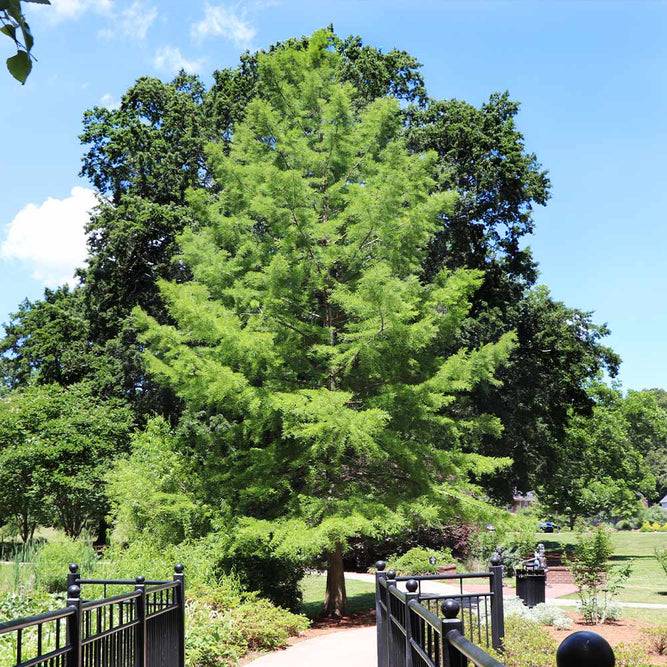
[(391, 574), (74, 591), (140, 579), (178, 568), (496, 560), (73, 568), (450, 608), (380, 565), (585, 649), (412, 585)]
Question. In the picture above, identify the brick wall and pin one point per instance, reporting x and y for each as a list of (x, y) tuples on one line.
[(447, 569), (559, 574)]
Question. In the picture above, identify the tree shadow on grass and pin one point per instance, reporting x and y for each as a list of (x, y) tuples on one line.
[(355, 603)]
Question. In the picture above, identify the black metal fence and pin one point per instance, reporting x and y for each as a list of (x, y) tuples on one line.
[(481, 620), (144, 627), (419, 629)]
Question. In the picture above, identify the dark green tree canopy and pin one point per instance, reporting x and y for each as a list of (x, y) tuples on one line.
[(55, 446)]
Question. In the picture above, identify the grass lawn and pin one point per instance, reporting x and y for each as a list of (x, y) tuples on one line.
[(360, 594), (648, 582)]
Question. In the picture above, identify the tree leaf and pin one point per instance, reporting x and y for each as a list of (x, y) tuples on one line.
[(9, 30), (27, 37), (19, 66)]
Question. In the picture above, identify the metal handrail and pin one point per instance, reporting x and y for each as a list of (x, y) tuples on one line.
[(28, 621), (454, 596), (471, 651), (105, 602), (123, 582), (435, 577), (162, 587)]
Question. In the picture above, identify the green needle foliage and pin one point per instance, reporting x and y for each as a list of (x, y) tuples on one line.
[(308, 338)]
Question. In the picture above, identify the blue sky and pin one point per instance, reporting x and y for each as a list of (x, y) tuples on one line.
[(591, 78)]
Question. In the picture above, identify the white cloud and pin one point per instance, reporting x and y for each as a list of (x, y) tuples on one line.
[(51, 237), (170, 59), (133, 22), (223, 21), (62, 10), (109, 101), (137, 19)]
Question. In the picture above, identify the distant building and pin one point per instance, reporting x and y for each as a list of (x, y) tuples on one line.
[(663, 503), (521, 501)]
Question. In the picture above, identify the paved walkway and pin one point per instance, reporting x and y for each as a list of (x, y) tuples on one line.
[(349, 648)]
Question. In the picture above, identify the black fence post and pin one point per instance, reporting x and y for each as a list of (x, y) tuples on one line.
[(450, 655), (391, 583), (497, 610), (411, 594), (73, 575), (380, 621), (140, 652), (74, 626), (583, 649), (180, 577)]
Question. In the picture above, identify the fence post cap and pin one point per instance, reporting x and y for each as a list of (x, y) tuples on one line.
[(73, 568), (585, 649), (178, 568), (380, 565), (450, 608), (412, 585), (74, 591), (140, 579), (391, 574), (496, 559)]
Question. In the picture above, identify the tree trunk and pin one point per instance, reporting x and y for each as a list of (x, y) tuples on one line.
[(335, 600)]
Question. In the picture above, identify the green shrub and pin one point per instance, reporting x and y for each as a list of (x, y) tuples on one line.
[(655, 514), (657, 638), (257, 559), (597, 581), (526, 644), (52, 561), (221, 627), (416, 561), (631, 655), (626, 524)]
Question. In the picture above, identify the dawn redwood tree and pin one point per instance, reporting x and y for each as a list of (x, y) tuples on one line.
[(307, 340)]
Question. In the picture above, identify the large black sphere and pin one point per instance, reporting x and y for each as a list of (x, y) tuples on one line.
[(585, 649)]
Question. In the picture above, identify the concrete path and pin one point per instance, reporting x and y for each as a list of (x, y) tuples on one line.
[(350, 648)]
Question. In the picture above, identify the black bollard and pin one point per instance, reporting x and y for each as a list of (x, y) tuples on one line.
[(585, 649)]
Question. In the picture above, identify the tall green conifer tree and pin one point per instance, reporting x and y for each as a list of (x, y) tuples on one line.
[(308, 337)]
